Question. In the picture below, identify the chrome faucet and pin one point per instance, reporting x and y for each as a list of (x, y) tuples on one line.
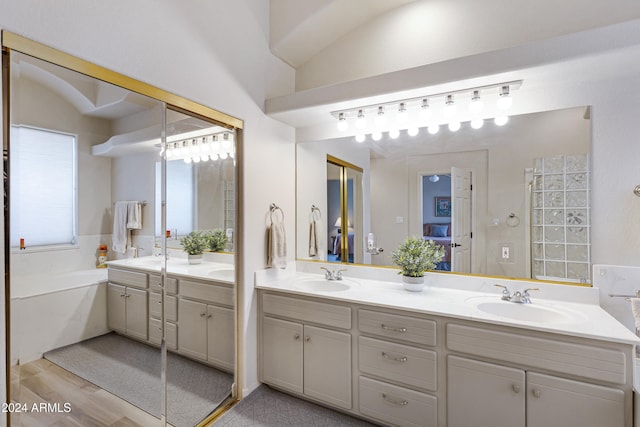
[(518, 297), (333, 274)]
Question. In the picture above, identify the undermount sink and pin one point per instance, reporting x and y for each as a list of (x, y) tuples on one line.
[(324, 285), (223, 274), (534, 312)]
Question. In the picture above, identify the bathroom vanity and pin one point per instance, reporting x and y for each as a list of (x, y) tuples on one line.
[(199, 314), (452, 355)]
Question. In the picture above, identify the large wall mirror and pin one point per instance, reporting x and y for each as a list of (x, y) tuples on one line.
[(103, 183), (513, 198)]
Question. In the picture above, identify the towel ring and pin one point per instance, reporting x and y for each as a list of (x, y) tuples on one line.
[(273, 209), (314, 210)]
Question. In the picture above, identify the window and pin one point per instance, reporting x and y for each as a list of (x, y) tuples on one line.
[(180, 197), (43, 176)]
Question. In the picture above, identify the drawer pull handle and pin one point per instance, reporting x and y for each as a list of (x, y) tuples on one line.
[(394, 401), (389, 328), (515, 388), (396, 359)]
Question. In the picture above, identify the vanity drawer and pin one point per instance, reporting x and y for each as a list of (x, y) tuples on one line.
[(410, 365), (308, 311), (406, 328), (569, 358), (216, 294), (155, 306), (396, 405), (155, 284), (155, 333), (128, 278)]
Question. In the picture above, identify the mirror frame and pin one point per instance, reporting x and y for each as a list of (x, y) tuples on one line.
[(15, 42)]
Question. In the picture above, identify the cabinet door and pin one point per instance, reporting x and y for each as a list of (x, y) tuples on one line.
[(327, 365), (116, 314), (220, 336), (558, 402), (137, 313), (484, 394), (192, 339), (282, 353)]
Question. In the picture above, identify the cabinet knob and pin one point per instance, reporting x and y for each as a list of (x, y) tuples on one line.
[(159, 302), (203, 314), (296, 337), (121, 295), (515, 388), (209, 316), (536, 393), (307, 338)]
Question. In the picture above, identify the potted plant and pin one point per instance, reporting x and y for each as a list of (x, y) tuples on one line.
[(216, 239), (414, 256), (194, 244)]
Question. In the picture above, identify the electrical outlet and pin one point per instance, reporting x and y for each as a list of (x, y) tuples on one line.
[(505, 252)]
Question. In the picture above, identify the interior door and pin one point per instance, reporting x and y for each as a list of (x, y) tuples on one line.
[(461, 220)]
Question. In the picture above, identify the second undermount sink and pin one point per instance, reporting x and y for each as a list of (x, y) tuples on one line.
[(324, 285), (534, 312)]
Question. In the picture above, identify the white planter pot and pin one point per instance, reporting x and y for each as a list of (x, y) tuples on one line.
[(413, 284), (194, 259)]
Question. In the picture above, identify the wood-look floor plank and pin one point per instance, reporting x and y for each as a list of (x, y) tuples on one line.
[(42, 381)]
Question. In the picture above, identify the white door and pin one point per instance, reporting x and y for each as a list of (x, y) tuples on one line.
[(220, 336), (192, 339), (116, 313), (461, 220), (282, 353), (137, 313)]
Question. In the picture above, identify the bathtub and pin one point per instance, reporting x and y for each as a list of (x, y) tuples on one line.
[(51, 311)]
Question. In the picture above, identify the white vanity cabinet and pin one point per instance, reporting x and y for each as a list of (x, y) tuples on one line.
[(127, 303), (481, 393), (206, 322), (171, 311), (301, 350)]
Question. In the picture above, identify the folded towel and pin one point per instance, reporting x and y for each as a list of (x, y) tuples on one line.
[(635, 309), (277, 246), (120, 234), (313, 238), (134, 215)]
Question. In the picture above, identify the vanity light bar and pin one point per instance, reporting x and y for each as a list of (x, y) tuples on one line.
[(214, 146)]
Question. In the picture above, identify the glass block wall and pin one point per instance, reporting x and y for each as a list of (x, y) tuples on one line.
[(560, 218)]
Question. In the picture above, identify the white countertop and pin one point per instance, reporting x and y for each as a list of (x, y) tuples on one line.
[(461, 301), (206, 270)]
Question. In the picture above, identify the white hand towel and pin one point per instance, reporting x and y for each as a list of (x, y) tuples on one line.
[(120, 233), (134, 215), (635, 309), (277, 246), (313, 238)]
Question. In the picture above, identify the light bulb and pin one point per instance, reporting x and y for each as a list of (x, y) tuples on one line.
[(223, 155), (342, 125), (195, 159), (376, 136), (213, 156), (187, 159), (413, 131), (394, 133), (449, 107), (195, 148), (184, 150), (402, 116), (380, 119), (504, 101), (204, 157), (433, 129), (361, 121), (232, 154), (501, 120), (204, 146), (360, 137), (476, 106), (226, 144), (454, 126), (215, 145), (477, 123), (169, 153), (425, 111)]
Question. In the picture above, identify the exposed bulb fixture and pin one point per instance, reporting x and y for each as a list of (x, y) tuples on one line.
[(434, 178), (413, 131), (394, 133), (169, 153), (501, 120), (360, 138), (476, 106), (433, 129), (425, 111), (505, 100), (376, 136), (403, 115), (342, 125), (361, 121), (381, 119), (449, 107), (205, 146), (454, 126), (477, 123), (184, 150), (194, 148), (226, 142)]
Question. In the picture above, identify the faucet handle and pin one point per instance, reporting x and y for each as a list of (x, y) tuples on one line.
[(327, 272), (526, 298), (530, 289), (506, 295), (339, 273)]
